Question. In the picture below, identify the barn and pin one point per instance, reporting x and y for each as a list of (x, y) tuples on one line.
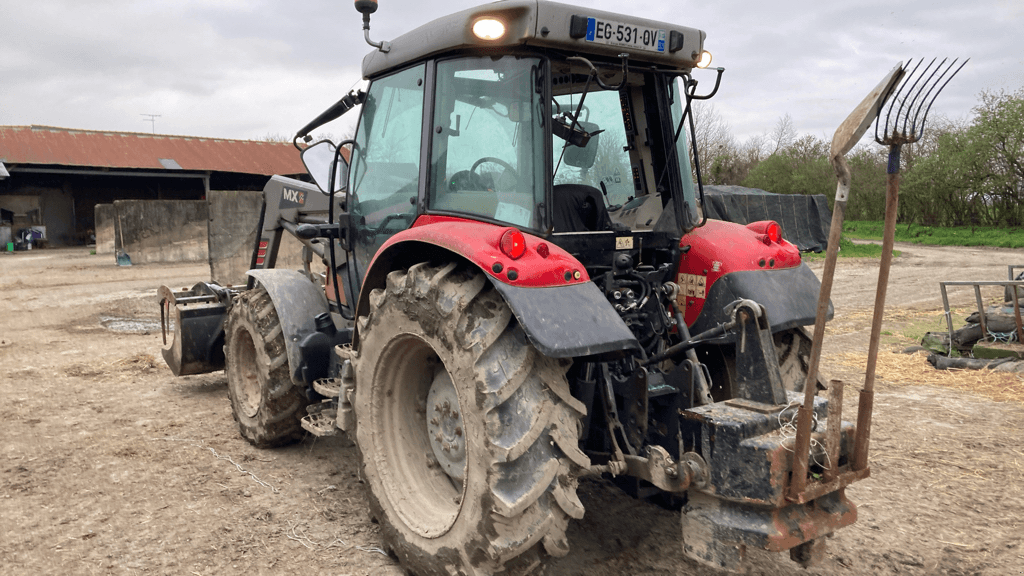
[(52, 178)]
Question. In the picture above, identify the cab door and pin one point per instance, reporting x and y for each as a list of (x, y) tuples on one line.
[(384, 173)]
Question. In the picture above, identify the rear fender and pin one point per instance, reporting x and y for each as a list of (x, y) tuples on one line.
[(723, 262), (297, 301), (563, 315)]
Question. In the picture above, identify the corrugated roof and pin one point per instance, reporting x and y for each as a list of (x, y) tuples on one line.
[(97, 149)]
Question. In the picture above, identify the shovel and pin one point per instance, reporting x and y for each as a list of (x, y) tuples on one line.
[(122, 257)]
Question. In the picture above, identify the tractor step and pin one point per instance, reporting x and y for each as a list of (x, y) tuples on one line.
[(329, 387), (320, 419)]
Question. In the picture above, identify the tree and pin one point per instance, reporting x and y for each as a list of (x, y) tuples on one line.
[(782, 136), (713, 143), (975, 174), (801, 167)]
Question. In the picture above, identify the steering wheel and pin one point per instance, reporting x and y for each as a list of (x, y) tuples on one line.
[(498, 161), (471, 180), (509, 170)]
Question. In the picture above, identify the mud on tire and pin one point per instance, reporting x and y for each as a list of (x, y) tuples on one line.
[(794, 350), (468, 435), (264, 400)]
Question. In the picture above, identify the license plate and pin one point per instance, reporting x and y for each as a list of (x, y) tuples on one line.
[(626, 35)]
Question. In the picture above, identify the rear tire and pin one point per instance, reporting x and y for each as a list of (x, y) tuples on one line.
[(468, 435), (265, 402), (794, 350)]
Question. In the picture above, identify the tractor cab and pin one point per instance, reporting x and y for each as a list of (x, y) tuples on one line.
[(497, 114)]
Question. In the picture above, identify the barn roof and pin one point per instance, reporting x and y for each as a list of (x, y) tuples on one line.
[(47, 145)]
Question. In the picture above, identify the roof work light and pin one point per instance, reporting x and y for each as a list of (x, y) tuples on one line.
[(488, 29)]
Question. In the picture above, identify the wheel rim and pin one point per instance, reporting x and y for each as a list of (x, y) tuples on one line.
[(417, 483), (444, 426), (248, 386)]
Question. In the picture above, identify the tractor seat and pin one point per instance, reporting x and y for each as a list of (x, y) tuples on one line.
[(579, 208)]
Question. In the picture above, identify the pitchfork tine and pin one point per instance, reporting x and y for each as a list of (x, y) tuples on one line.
[(928, 109), (914, 106), (893, 98), (932, 82), (908, 98), (913, 99)]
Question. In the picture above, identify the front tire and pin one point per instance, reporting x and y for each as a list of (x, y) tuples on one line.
[(265, 402), (468, 435)]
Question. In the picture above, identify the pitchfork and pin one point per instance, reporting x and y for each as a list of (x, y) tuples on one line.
[(910, 91)]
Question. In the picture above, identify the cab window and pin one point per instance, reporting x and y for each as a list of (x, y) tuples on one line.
[(384, 173), (487, 154), (607, 162)]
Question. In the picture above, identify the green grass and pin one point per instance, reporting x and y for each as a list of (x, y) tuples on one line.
[(938, 236), (847, 249)]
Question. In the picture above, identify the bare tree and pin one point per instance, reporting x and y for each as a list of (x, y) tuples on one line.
[(713, 133), (783, 135)]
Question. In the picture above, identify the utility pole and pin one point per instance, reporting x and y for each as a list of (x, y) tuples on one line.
[(151, 118)]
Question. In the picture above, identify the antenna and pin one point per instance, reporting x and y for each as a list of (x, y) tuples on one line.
[(152, 120)]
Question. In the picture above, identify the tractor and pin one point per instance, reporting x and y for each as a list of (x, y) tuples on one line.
[(510, 286)]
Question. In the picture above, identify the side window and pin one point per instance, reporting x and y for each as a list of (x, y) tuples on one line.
[(609, 163), (385, 162), (683, 151)]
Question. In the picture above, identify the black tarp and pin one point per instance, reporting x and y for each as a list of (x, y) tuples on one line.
[(804, 219)]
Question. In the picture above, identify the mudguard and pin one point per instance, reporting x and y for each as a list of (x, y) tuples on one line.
[(568, 321), (297, 301), (723, 262), (789, 297), (564, 315)]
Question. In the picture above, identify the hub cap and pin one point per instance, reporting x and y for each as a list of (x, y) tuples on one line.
[(444, 426)]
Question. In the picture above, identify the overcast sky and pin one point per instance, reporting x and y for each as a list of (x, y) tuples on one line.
[(250, 68)]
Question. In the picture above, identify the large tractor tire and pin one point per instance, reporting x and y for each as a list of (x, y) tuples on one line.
[(794, 350), (266, 403), (468, 435)]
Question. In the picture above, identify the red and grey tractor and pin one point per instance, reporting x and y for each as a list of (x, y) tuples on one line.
[(519, 291)]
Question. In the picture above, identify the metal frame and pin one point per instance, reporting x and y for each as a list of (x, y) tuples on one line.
[(981, 308)]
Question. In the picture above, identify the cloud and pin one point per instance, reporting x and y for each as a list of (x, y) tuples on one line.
[(245, 69)]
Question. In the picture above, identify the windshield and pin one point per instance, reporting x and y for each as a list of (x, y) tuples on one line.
[(487, 156)]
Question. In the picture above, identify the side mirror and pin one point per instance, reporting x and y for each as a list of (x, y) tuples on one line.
[(583, 157), (320, 159)]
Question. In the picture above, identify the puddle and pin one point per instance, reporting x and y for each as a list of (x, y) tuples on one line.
[(131, 325)]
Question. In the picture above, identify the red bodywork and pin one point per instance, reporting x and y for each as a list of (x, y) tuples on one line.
[(480, 242), (719, 248)]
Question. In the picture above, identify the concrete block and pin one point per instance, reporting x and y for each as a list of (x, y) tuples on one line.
[(162, 230)]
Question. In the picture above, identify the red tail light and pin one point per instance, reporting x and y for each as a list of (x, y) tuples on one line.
[(770, 229), (513, 243)]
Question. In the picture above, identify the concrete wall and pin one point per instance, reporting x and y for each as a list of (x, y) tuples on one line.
[(104, 218), (221, 229), (162, 230), (233, 219)]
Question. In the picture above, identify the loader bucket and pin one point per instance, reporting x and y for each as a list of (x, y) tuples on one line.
[(196, 318)]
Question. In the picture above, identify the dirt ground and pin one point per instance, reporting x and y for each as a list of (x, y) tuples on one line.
[(111, 465)]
